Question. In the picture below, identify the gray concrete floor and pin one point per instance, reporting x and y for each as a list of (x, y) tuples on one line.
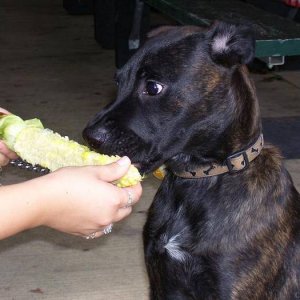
[(52, 68)]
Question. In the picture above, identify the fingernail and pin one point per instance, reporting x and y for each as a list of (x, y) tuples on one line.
[(123, 161)]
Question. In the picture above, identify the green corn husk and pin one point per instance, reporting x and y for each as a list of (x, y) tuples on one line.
[(41, 146)]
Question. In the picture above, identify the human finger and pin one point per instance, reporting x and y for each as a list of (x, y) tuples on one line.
[(4, 150), (128, 198), (93, 235), (131, 195), (4, 160), (113, 171), (4, 111), (122, 213), (98, 233)]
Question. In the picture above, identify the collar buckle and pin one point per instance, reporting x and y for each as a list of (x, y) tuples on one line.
[(240, 157)]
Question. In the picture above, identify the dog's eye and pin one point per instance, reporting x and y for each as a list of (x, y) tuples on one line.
[(153, 88)]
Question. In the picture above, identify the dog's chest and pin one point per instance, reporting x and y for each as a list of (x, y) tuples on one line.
[(168, 230), (169, 241), (175, 246)]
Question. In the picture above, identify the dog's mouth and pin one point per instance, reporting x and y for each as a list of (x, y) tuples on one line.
[(111, 140)]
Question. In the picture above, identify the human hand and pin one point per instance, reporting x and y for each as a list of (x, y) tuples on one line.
[(5, 154), (83, 201)]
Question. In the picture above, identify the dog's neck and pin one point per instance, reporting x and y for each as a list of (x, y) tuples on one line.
[(234, 163), (199, 166)]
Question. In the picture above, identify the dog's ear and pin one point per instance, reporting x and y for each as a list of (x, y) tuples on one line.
[(231, 44)]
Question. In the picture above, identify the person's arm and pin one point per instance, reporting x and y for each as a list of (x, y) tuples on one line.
[(76, 200)]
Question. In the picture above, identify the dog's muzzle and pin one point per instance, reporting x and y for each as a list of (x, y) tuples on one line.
[(95, 137), (110, 138)]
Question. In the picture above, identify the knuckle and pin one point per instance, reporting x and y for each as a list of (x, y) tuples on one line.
[(138, 191), (128, 211), (3, 160), (116, 202), (105, 222)]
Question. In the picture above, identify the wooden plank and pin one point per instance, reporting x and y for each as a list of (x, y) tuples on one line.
[(275, 35)]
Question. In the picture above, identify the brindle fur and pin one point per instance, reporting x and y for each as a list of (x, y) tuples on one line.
[(232, 236)]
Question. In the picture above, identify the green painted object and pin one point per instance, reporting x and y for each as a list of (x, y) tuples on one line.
[(275, 35)]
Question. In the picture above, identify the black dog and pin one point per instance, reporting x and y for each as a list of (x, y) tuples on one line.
[(225, 222)]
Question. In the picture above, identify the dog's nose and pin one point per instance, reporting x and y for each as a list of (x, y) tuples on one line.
[(95, 136)]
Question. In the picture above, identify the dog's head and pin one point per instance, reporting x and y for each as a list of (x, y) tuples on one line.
[(184, 97)]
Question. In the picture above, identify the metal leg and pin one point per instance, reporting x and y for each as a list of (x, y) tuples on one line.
[(135, 34), (131, 24)]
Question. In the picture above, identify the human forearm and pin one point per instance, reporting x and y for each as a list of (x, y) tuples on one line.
[(20, 207)]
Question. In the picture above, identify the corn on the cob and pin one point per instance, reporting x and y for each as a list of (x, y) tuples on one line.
[(160, 173), (48, 149)]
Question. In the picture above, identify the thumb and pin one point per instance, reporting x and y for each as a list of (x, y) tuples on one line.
[(4, 111), (114, 171)]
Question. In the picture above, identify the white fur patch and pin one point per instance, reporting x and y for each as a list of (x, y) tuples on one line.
[(174, 250)]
